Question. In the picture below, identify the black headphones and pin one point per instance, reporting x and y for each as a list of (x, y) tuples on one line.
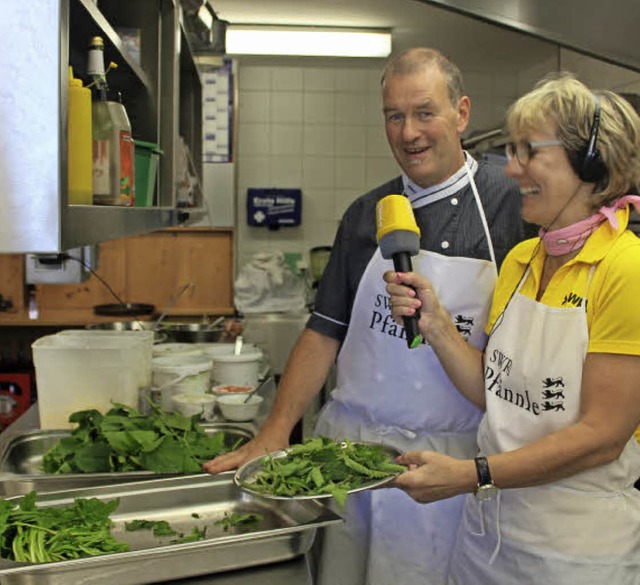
[(587, 162)]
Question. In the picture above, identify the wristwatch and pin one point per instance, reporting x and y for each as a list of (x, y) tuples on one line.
[(486, 489)]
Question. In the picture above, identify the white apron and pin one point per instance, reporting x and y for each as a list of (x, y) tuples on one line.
[(583, 529), (401, 397)]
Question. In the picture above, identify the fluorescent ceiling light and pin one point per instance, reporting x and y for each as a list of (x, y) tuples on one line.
[(314, 41)]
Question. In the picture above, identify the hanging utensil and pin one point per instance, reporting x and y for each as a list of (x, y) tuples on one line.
[(172, 302), (216, 322), (258, 387)]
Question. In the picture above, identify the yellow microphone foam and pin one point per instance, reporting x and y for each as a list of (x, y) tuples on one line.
[(394, 213)]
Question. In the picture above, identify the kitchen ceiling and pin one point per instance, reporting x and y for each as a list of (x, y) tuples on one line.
[(607, 30)]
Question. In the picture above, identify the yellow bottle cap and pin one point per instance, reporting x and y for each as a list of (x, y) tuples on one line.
[(74, 81)]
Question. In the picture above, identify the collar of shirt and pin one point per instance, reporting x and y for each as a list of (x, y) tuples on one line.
[(424, 196)]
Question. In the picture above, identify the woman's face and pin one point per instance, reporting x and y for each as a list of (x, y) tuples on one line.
[(552, 194)]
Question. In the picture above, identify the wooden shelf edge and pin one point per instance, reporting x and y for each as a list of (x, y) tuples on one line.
[(82, 317)]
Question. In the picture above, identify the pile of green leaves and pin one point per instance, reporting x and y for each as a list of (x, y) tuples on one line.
[(323, 466), (42, 535), (125, 440)]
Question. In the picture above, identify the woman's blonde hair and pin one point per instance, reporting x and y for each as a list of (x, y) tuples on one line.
[(569, 105)]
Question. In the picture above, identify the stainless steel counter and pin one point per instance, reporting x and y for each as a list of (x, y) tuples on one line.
[(297, 571)]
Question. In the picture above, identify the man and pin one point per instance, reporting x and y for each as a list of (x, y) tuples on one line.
[(386, 392)]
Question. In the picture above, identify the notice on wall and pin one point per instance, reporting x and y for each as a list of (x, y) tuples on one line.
[(217, 111)]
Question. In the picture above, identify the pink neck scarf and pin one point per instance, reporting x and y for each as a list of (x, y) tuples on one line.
[(572, 238)]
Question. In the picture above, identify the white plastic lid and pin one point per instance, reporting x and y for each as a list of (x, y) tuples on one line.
[(221, 349), (248, 356), (170, 349), (181, 364)]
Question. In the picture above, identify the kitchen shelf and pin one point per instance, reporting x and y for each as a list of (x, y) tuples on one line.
[(37, 217), (104, 29)]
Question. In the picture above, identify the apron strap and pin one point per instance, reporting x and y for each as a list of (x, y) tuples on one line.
[(483, 217)]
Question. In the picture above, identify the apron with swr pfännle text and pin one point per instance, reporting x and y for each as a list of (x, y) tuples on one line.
[(583, 529), (387, 393)]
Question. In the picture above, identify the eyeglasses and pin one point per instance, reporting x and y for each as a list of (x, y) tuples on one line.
[(524, 150)]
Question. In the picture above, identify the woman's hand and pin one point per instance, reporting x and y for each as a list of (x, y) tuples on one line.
[(409, 291), (433, 476)]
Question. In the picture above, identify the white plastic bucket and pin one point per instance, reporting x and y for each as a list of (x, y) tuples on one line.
[(238, 370), (178, 374), (213, 350)]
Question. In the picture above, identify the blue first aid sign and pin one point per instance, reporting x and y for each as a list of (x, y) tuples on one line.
[(274, 207)]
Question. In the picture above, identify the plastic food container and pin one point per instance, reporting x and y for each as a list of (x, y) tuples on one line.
[(176, 374), (147, 157), (190, 404), (233, 407), (145, 340), (214, 350), (238, 370), (80, 373)]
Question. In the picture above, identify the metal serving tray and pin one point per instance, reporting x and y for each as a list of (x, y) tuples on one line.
[(286, 531), (21, 459)]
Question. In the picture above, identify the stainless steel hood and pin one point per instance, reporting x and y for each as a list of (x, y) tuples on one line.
[(605, 30)]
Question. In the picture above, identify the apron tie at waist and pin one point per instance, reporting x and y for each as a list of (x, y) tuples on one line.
[(498, 530), (391, 430)]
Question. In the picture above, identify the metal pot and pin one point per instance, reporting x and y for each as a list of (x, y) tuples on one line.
[(194, 332), (159, 336)]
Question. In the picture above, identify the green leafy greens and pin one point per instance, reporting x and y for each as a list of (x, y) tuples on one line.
[(322, 466), (30, 534), (243, 522), (124, 440)]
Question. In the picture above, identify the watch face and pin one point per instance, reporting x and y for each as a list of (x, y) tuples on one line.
[(486, 492)]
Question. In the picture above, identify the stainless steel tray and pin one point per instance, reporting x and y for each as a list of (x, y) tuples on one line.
[(286, 531), (21, 459)]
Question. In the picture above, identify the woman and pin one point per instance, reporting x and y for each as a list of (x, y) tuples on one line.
[(559, 381)]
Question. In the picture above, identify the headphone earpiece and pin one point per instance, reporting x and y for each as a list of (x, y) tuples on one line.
[(587, 162)]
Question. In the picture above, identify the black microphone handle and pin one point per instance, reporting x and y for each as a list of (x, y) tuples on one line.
[(402, 263)]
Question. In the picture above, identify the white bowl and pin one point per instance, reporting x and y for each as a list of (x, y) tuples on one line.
[(228, 389), (191, 403), (233, 407)]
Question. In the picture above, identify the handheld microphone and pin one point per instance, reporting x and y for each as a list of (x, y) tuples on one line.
[(398, 236)]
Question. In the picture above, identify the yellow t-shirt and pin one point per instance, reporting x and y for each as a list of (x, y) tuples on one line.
[(613, 314)]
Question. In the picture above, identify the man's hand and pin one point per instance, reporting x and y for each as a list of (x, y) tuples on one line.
[(255, 448)]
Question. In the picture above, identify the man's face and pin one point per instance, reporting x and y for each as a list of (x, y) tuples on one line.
[(423, 127)]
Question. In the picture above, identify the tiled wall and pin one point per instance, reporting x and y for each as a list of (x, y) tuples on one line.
[(316, 124), (317, 127)]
